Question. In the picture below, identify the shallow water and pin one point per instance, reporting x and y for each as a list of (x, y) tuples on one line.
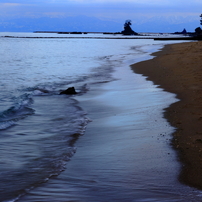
[(112, 131)]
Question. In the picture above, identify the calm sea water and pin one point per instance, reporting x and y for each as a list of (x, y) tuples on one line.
[(39, 128)]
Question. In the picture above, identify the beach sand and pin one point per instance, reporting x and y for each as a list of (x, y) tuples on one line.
[(178, 69)]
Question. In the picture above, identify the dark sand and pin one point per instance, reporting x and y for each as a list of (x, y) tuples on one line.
[(178, 69)]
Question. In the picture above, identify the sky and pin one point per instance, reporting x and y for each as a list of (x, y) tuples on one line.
[(159, 14)]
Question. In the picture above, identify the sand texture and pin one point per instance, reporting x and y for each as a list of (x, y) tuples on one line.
[(178, 69)]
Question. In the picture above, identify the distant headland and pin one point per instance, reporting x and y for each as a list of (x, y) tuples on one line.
[(128, 31)]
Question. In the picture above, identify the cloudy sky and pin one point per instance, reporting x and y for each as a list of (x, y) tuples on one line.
[(143, 13)]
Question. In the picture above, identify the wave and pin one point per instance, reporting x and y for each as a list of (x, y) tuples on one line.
[(49, 137), (20, 110)]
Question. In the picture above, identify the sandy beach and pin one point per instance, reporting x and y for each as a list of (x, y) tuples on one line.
[(178, 69)]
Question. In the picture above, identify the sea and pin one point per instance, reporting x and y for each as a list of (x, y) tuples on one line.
[(109, 142)]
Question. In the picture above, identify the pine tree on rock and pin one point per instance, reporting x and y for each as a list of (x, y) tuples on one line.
[(127, 29)]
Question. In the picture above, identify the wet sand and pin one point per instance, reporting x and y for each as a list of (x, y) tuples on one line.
[(178, 69)]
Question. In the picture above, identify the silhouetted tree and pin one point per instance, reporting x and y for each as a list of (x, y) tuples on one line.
[(127, 29), (198, 30), (127, 24), (201, 19)]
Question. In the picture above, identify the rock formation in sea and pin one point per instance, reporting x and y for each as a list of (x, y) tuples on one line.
[(127, 29), (69, 91)]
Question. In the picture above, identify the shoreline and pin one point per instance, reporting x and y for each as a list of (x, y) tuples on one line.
[(178, 70), (118, 158), (124, 154)]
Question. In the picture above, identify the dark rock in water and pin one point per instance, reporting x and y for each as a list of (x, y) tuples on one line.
[(184, 31), (69, 91)]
